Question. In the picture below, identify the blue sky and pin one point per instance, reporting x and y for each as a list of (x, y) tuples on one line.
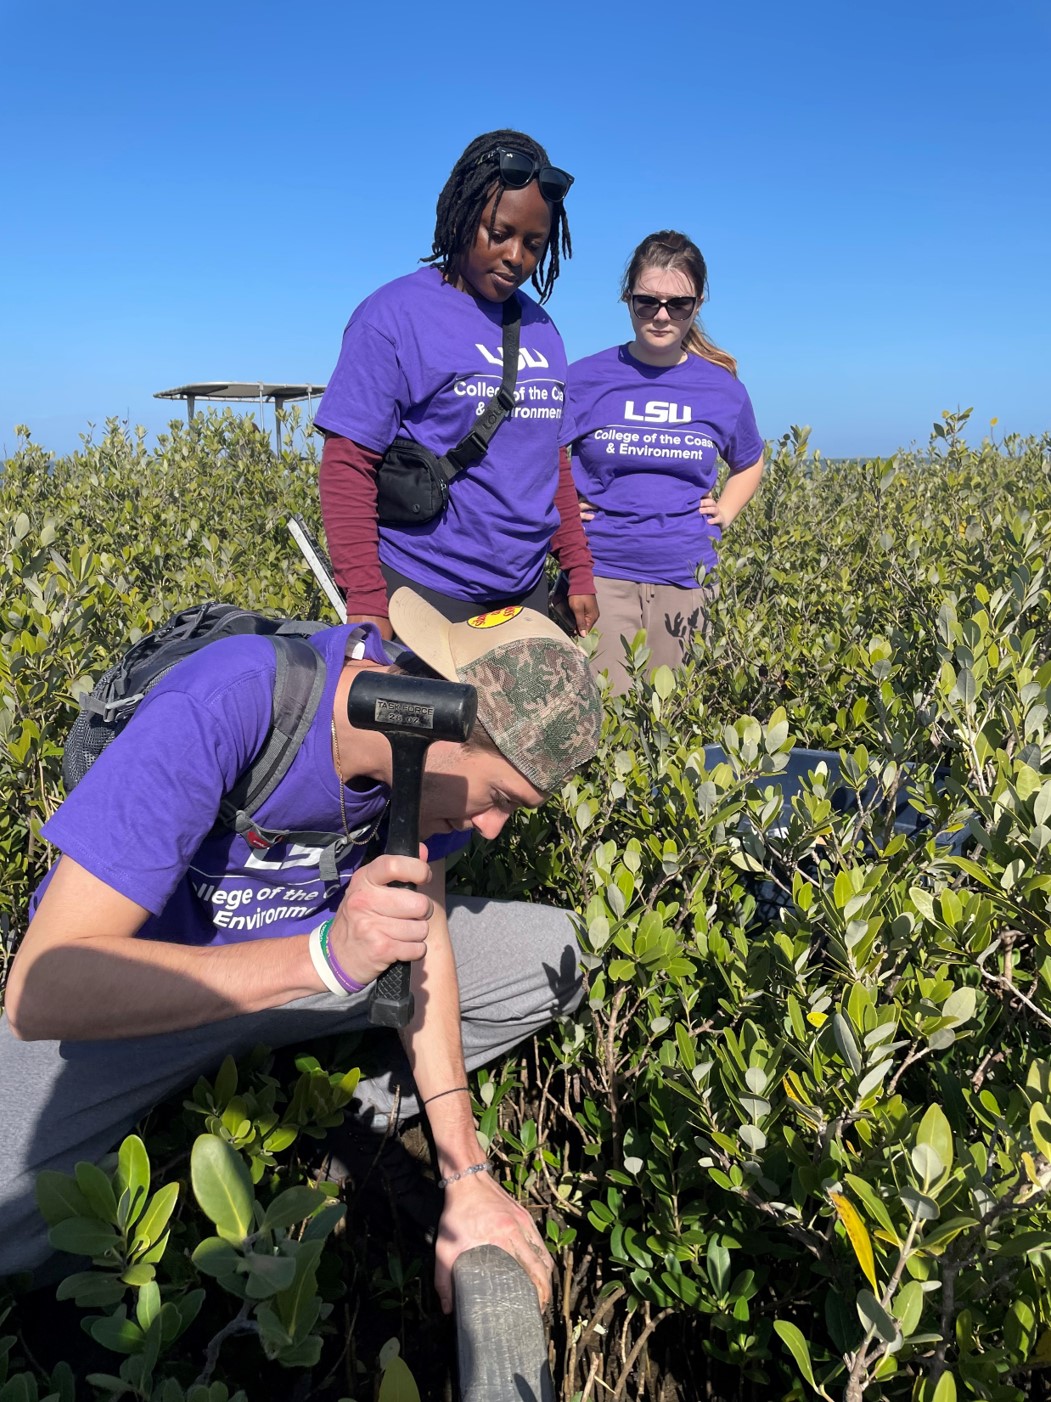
[(205, 192)]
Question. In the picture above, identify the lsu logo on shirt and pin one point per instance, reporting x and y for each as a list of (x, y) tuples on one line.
[(658, 411), (527, 359)]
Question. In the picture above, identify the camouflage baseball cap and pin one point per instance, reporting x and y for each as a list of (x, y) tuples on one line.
[(536, 697)]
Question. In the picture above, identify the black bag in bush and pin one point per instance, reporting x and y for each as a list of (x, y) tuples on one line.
[(412, 483)]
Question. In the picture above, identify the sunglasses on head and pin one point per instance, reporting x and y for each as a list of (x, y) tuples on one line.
[(678, 308), (516, 171)]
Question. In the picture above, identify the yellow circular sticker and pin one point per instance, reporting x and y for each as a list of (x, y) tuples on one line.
[(491, 620)]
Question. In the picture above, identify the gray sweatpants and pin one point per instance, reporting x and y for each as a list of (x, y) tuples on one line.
[(61, 1102)]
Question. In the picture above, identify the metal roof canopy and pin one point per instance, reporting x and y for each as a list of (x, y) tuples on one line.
[(246, 392)]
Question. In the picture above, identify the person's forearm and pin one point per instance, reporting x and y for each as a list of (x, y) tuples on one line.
[(739, 490), (87, 990), (347, 483), (569, 544), (434, 1047)]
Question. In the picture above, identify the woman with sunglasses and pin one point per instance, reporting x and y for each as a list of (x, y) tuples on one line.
[(421, 360), (647, 422)]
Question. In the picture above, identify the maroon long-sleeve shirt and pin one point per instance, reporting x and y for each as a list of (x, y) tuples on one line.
[(348, 508)]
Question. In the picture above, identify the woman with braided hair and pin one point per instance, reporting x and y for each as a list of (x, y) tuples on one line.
[(421, 360), (648, 422)]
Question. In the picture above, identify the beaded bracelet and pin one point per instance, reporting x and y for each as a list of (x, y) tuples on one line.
[(484, 1167)]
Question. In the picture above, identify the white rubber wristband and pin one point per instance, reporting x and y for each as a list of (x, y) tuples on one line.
[(321, 968)]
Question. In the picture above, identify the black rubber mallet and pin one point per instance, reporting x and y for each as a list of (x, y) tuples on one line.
[(411, 712)]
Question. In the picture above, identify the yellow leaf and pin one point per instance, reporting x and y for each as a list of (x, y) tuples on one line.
[(816, 1019), (859, 1237), (1030, 1169), (888, 1237), (1042, 1352), (794, 1089)]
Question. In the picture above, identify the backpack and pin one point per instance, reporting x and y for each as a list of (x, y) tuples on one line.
[(298, 683)]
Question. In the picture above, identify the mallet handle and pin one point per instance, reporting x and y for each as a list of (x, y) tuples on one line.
[(391, 1001), (411, 712)]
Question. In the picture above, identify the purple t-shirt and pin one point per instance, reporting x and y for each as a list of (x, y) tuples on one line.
[(645, 442), (140, 819), (421, 360)]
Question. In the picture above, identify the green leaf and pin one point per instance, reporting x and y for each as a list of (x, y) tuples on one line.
[(222, 1185), (398, 1384), (966, 689), (98, 1191), (875, 1317), (793, 1339), (1040, 1127), (91, 1289), (268, 1275), (226, 1082), (63, 1383), (927, 1164), (845, 1042), (718, 1267), (154, 1220), (281, 1138), (326, 1220), (935, 1132), (920, 1204), (133, 1175), (119, 1335), (58, 1197), (18, 1389), (148, 1305), (84, 1236), (216, 1257), (272, 1333), (1024, 1243), (304, 1354), (293, 1206), (299, 1306), (938, 1239), (663, 681), (946, 1389), (960, 1005), (908, 1306)]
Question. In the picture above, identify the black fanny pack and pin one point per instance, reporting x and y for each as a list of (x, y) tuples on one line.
[(412, 483)]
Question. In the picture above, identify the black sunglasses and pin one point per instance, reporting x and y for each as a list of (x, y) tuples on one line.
[(678, 308), (516, 171)]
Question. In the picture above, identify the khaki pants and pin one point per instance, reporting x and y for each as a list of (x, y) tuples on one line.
[(670, 615)]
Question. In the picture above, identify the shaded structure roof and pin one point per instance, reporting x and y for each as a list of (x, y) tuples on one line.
[(244, 391)]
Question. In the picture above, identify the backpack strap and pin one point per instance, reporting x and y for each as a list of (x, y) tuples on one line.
[(298, 683)]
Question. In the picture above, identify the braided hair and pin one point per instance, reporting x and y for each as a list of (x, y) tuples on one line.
[(471, 184)]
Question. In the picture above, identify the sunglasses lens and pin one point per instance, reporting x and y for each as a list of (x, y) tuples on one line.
[(516, 170), (554, 183), (678, 308)]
